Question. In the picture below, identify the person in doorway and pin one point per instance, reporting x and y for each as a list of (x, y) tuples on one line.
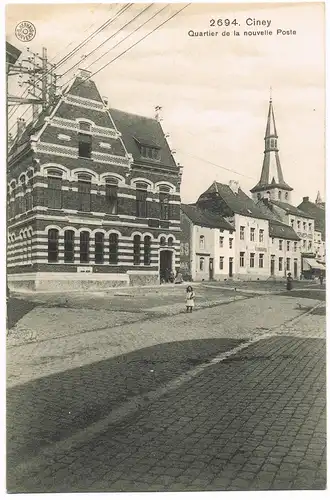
[(190, 298), (289, 281)]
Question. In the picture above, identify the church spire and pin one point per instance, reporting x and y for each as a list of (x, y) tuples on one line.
[(318, 200), (271, 180)]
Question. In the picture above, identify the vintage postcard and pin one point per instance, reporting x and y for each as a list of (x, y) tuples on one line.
[(166, 247)]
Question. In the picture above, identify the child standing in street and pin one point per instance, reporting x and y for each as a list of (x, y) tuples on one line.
[(190, 299)]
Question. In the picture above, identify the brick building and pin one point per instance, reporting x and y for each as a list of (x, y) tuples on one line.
[(93, 197)]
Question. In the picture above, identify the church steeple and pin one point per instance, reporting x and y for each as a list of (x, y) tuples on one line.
[(271, 184)]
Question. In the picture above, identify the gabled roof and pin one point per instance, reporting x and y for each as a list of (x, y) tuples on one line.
[(315, 212), (140, 130), (204, 218), (239, 203), (84, 88), (290, 209), (279, 230)]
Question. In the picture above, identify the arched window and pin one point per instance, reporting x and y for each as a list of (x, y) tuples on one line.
[(141, 200), (52, 245), (84, 140), (147, 251), (113, 248), (137, 250), (170, 241), (99, 248), (202, 242), (84, 193), (111, 195), (279, 195), (162, 241), (201, 264), (286, 196), (23, 199), (54, 191), (164, 201), (68, 246), (84, 246)]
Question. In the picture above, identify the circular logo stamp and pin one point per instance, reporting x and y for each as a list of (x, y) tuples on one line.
[(25, 31)]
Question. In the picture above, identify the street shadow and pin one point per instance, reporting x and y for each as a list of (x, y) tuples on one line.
[(52, 408), (16, 309)]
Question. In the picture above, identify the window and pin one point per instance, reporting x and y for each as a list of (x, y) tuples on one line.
[(84, 246), (309, 226), (309, 245), (295, 246), (259, 196), (273, 239), (241, 233), (201, 242), (84, 144), (162, 241), (292, 222), (54, 190), (221, 263), (137, 250), (201, 264), (111, 196), (261, 235), (113, 248), (286, 196), (84, 193), (279, 195), (170, 241), (280, 264), (150, 153), (288, 246), (99, 248), (241, 259), (304, 243), (252, 259), (231, 242), (304, 226), (141, 200), (52, 245), (261, 260), (221, 239), (221, 230), (298, 224), (147, 251), (68, 246), (164, 201), (288, 264), (86, 126), (252, 233), (280, 244)]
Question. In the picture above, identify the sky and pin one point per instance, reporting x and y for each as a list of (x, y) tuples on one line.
[(214, 91)]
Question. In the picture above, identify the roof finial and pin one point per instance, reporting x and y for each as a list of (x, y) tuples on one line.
[(270, 94)]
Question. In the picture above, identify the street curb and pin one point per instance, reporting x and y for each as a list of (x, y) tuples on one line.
[(137, 403)]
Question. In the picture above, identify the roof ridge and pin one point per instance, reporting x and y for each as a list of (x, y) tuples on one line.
[(134, 114)]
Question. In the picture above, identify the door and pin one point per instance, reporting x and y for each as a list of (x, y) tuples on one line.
[(230, 267), (272, 265), (211, 269), (295, 268), (165, 265)]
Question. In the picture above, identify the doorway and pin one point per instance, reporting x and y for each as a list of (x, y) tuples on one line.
[(272, 265), (165, 265), (211, 269), (230, 267), (295, 268)]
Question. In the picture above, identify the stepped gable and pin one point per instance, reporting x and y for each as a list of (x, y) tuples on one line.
[(140, 131), (204, 218)]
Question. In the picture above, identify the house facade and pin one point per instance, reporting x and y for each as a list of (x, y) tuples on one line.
[(211, 243), (317, 211), (93, 197)]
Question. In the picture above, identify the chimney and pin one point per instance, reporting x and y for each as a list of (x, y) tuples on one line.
[(83, 73), (234, 186), (305, 198), (20, 127)]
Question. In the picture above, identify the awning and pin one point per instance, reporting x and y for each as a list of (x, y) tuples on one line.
[(313, 264)]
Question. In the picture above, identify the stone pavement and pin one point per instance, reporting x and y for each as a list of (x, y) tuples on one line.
[(253, 421)]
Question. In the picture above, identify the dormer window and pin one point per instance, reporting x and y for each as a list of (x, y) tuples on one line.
[(150, 153)]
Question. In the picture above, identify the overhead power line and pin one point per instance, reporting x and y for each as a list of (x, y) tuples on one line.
[(121, 41), (131, 47)]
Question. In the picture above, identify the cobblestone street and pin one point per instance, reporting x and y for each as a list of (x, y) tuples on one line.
[(254, 420)]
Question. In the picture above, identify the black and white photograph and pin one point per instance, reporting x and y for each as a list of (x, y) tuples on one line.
[(165, 255)]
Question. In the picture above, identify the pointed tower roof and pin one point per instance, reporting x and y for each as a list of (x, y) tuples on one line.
[(271, 173), (318, 198)]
